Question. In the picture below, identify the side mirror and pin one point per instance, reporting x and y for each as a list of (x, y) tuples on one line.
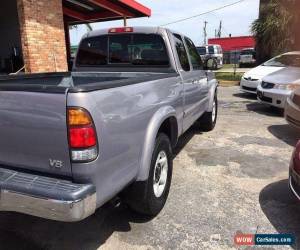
[(209, 64)]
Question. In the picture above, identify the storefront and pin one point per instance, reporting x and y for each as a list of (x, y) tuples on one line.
[(35, 33)]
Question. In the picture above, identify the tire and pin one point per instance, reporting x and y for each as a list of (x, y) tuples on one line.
[(148, 198), (208, 120)]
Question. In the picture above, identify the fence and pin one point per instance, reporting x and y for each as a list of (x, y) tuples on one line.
[(231, 57)]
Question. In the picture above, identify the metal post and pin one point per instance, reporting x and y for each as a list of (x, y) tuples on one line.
[(235, 66), (125, 21)]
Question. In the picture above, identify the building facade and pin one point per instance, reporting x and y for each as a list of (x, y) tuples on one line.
[(42, 33), (232, 46), (35, 33)]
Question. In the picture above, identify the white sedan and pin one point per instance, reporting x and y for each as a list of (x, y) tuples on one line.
[(253, 78), (278, 86)]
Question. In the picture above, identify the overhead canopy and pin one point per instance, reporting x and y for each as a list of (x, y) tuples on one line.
[(84, 11)]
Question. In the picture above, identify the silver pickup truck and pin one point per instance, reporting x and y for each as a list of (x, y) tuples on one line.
[(71, 142)]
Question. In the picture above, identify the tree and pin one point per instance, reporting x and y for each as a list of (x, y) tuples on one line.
[(88, 26), (274, 29)]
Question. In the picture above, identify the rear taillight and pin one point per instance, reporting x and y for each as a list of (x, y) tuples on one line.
[(82, 135)]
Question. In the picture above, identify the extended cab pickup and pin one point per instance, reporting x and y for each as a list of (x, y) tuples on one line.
[(71, 142)]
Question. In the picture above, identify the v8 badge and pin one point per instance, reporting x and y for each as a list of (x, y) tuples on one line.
[(55, 163)]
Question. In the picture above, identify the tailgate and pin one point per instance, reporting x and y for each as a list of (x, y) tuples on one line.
[(33, 132)]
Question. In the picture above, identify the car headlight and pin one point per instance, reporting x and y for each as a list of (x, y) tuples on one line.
[(292, 86)]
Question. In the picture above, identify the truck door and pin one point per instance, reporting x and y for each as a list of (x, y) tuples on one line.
[(199, 79), (191, 86)]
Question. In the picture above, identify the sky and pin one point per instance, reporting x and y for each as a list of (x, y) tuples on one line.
[(236, 19)]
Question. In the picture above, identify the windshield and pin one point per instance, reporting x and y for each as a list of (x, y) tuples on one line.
[(123, 49), (291, 60), (211, 50), (201, 50)]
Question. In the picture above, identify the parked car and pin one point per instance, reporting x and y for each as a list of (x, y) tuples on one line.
[(292, 109), (277, 87), (294, 173), (214, 52), (70, 142), (247, 57), (253, 78)]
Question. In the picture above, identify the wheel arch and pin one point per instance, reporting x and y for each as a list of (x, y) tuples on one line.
[(212, 92), (164, 121)]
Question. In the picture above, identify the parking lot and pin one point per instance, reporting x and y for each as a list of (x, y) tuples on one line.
[(232, 179)]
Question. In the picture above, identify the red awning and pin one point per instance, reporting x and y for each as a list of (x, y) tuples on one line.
[(84, 11)]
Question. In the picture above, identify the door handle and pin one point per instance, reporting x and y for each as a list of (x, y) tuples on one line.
[(201, 82)]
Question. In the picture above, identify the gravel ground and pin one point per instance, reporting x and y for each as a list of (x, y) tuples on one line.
[(229, 180)]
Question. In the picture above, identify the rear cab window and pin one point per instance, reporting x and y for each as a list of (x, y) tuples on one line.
[(201, 50), (137, 50)]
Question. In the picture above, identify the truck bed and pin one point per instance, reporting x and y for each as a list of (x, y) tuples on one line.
[(76, 81)]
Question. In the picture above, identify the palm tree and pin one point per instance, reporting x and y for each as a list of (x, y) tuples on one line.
[(273, 30), (87, 25)]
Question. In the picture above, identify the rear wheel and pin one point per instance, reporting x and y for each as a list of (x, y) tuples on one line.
[(209, 119), (149, 197)]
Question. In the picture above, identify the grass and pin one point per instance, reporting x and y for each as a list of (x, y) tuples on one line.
[(228, 66), (228, 76), (228, 79)]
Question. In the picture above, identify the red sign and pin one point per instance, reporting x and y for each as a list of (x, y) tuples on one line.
[(244, 239)]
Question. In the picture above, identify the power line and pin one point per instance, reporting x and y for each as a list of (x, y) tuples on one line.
[(204, 13), (223, 26)]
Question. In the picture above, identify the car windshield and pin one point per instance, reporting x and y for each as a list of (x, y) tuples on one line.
[(248, 52), (292, 60), (123, 49), (201, 50)]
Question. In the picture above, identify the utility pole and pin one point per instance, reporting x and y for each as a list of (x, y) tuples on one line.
[(219, 35), (204, 32)]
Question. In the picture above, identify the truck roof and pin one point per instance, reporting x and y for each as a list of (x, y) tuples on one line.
[(136, 29), (139, 29)]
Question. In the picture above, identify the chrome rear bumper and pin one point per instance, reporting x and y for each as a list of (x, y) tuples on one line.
[(46, 197)]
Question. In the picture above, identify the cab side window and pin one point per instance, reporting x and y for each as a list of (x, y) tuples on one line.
[(211, 50), (181, 51), (194, 55)]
